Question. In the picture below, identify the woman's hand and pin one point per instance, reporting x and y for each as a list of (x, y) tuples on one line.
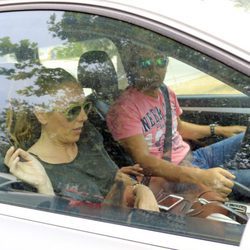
[(28, 169), (144, 198), (126, 193)]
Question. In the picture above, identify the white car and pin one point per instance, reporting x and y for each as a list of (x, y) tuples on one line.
[(207, 44)]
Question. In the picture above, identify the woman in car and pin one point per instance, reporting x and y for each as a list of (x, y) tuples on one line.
[(69, 158)]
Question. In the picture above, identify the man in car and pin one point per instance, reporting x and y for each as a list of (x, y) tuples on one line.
[(138, 121)]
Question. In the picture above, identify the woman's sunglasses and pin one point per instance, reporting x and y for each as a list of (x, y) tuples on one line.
[(160, 62), (74, 110)]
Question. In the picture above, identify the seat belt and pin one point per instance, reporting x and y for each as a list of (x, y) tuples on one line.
[(168, 133), (167, 149)]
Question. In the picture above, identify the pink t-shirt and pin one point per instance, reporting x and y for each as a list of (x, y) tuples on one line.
[(135, 113)]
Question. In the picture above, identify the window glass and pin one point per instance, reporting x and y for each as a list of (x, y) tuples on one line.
[(187, 80), (60, 73)]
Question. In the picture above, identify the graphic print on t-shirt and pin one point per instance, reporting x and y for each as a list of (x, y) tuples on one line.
[(154, 129), (136, 113), (153, 117), (176, 139), (154, 125)]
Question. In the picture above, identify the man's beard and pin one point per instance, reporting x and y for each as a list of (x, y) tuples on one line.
[(148, 83)]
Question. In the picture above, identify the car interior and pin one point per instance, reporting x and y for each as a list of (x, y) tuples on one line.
[(96, 72)]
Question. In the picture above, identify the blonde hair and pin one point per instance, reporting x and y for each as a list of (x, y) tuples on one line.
[(22, 126)]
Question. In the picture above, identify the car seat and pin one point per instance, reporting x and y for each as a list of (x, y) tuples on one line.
[(96, 71)]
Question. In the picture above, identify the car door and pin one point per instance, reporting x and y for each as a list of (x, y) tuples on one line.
[(38, 34)]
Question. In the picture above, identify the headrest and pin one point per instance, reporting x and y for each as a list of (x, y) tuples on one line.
[(96, 71)]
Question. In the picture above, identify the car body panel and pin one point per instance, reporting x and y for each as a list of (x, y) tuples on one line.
[(78, 231)]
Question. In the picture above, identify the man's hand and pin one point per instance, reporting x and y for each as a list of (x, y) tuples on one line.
[(133, 170), (228, 131), (28, 169), (220, 180)]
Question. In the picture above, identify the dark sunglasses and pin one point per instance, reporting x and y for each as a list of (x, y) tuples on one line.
[(160, 62), (75, 109)]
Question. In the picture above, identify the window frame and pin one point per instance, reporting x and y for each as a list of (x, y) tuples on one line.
[(153, 22)]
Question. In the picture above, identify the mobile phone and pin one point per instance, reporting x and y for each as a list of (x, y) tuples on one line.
[(169, 202)]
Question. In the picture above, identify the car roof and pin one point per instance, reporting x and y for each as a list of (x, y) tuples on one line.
[(222, 23), (225, 20)]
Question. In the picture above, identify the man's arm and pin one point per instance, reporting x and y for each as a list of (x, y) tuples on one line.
[(138, 149), (216, 178), (194, 132)]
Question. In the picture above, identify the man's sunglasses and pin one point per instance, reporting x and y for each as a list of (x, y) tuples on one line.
[(160, 62), (75, 109)]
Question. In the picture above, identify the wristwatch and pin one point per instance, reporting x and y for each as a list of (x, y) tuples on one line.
[(212, 128)]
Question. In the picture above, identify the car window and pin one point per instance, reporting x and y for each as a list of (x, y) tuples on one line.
[(91, 56), (187, 80)]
